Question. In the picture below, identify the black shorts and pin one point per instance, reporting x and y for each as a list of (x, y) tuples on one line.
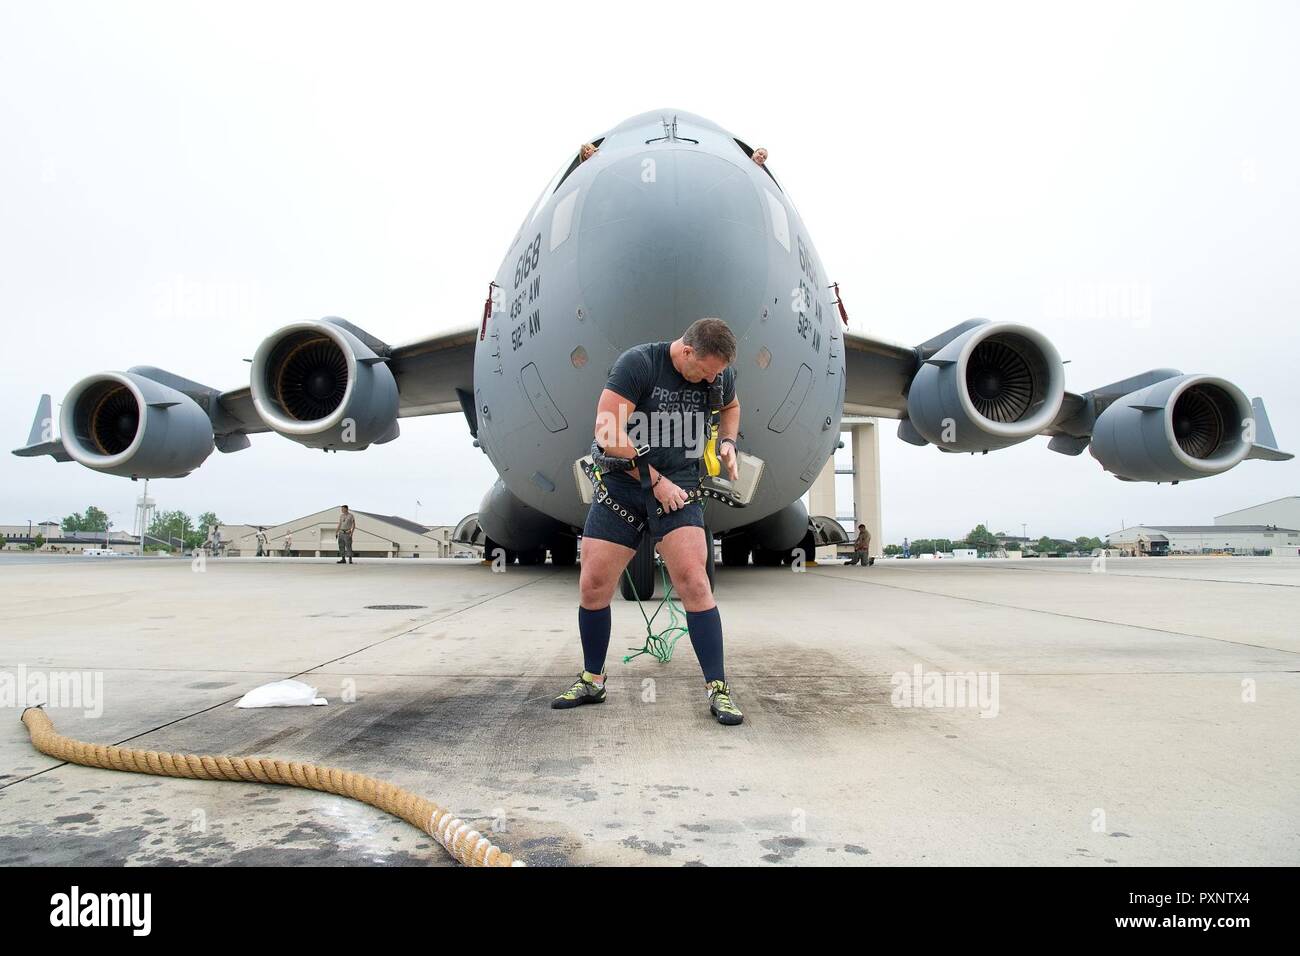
[(604, 523)]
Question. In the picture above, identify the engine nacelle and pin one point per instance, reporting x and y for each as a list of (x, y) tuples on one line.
[(1182, 428), (124, 424), (319, 385), (993, 386)]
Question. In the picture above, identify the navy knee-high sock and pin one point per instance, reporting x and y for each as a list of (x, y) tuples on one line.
[(593, 627), (706, 637)]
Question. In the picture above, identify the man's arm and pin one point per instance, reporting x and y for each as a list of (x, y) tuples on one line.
[(729, 421), (612, 414), (729, 428)]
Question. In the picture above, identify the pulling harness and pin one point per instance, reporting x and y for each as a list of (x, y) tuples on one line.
[(710, 467)]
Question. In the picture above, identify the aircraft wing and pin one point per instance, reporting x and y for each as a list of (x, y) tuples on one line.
[(981, 386), (326, 384), (436, 375), (876, 375)]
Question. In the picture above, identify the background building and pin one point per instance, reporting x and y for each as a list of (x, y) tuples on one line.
[(376, 536), (16, 536), (1282, 513), (1206, 539)]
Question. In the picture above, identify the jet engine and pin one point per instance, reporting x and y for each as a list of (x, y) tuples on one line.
[(1191, 426), (122, 423), (323, 385), (992, 386)]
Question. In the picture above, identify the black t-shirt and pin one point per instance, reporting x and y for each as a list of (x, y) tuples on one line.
[(672, 414)]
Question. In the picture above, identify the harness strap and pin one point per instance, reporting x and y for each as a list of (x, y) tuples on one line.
[(709, 467), (603, 497), (644, 474)]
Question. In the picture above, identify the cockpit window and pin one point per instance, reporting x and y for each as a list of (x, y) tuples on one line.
[(577, 161), (555, 182), (749, 151)]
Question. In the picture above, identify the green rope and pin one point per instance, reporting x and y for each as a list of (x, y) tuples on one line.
[(659, 645)]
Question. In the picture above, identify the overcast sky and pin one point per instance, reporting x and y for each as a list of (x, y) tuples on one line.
[(177, 180)]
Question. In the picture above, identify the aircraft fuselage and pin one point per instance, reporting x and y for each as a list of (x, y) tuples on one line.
[(659, 228)]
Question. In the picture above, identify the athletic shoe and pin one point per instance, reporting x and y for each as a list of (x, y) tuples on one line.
[(585, 690), (721, 704)]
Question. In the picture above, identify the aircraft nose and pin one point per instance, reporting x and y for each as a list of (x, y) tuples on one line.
[(667, 237)]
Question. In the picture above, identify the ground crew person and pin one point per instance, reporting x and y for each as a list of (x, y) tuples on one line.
[(347, 525), (861, 547)]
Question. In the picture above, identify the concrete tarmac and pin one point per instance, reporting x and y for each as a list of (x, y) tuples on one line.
[(1146, 713)]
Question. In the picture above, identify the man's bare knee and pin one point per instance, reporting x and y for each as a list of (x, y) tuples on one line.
[(594, 592), (602, 563), (695, 591)]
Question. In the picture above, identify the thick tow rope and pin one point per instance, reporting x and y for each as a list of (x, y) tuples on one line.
[(455, 835)]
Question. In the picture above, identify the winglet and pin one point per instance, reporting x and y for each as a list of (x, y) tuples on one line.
[(42, 424), (41, 439), (1265, 445)]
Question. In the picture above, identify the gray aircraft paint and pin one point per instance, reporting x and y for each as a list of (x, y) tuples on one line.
[(650, 234)]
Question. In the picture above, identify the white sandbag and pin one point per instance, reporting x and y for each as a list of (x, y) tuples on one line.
[(282, 693)]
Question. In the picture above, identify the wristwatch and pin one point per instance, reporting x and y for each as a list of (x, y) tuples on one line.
[(725, 440)]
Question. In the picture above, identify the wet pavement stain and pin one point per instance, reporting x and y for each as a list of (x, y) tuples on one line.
[(782, 849), (76, 818), (653, 849)]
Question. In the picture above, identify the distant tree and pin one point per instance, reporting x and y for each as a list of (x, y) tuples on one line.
[(38, 542), (1045, 545), (1087, 544), (95, 520), (892, 549), (1013, 545), (923, 546), (982, 540), (943, 545), (172, 526), (208, 520), (158, 527)]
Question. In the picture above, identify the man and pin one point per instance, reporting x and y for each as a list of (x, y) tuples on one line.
[(667, 384), (288, 544), (760, 155), (861, 547), (347, 524), (261, 543)]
